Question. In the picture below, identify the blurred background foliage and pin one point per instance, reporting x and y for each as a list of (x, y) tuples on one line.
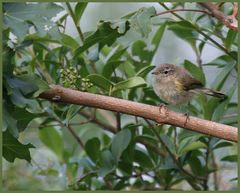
[(110, 48)]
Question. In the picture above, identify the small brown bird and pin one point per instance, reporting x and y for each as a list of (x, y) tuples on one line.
[(175, 85)]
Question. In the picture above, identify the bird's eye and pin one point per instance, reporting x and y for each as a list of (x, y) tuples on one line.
[(165, 72)]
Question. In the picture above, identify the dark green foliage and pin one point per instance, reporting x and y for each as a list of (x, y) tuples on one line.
[(99, 150)]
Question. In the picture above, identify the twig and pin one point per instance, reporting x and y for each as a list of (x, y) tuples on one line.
[(165, 116), (105, 126), (229, 21), (202, 33), (215, 174), (189, 178), (205, 182), (177, 10), (75, 22)]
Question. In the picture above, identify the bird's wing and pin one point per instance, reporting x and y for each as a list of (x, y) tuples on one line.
[(189, 82)]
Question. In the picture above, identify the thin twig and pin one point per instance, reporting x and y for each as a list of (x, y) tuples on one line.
[(177, 10), (75, 22), (189, 178), (202, 33)]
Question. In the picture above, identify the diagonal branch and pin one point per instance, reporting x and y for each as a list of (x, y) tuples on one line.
[(229, 21), (162, 116)]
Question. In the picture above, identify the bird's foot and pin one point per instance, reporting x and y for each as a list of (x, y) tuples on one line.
[(186, 120), (163, 109)]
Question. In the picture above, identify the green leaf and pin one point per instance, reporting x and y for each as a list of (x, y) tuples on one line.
[(221, 77), (100, 81), (115, 54), (144, 71), (139, 48), (9, 123), (35, 81), (109, 68), (120, 143), (195, 71), (192, 146), (72, 111), (141, 20), (12, 148), (69, 42), (158, 36), (107, 161), (196, 166), (184, 30), (223, 144), (23, 117), (143, 159), (222, 107), (230, 158), (79, 9), (17, 16), (105, 35), (231, 36), (129, 83), (53, 140), (221, 61), (25, 86), (92, 148), (169, 143)]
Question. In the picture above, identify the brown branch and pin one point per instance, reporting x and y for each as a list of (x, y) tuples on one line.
[(177, 10), (163, 116), (229, 21)]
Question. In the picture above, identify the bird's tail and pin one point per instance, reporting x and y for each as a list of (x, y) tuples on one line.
[(214, 93)]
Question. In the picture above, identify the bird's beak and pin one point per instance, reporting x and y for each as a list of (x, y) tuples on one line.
[(154, 71)]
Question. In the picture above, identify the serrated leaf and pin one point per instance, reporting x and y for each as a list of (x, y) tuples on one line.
[(17, 16), (129, 83), (141, 20), (105, 35), (53, 140), (13, 149), (120, 143)]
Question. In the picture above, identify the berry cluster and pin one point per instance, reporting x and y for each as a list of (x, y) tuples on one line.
[(70, 78)]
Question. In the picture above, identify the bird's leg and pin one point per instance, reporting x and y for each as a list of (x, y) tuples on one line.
[(163, 109), (186, 120)]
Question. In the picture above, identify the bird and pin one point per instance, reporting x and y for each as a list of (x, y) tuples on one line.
[(175, 85)]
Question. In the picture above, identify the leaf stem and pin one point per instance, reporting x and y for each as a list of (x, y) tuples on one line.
[(75, 21), (176, 10)]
